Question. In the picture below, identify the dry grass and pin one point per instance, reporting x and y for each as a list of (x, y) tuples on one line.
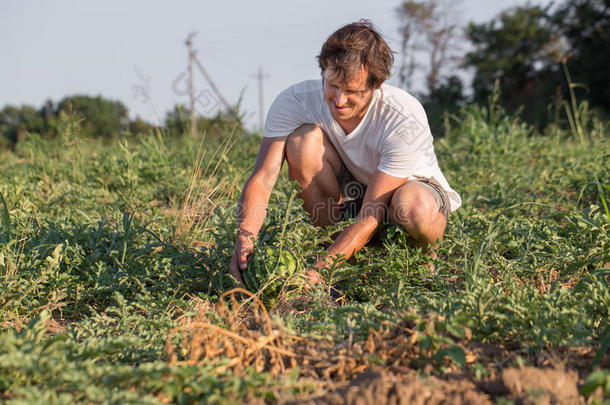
[(204, 193), (250, 338), (240, 335)]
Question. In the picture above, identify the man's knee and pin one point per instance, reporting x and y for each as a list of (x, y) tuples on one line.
[(413, 208), (303, 143), (310, 152)]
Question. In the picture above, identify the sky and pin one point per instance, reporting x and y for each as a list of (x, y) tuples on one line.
[(134, 51)]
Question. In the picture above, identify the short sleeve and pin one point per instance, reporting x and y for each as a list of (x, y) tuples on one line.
[(407, 146), (286, 114)]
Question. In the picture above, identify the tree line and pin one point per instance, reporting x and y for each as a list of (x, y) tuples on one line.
[(536, 58), (98, 118)]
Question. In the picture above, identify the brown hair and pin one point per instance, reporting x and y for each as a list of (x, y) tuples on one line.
[(354, 45)]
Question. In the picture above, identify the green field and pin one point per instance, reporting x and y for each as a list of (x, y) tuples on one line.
[(114, 259)]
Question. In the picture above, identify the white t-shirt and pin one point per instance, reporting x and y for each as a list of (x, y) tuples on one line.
[(393, 136)]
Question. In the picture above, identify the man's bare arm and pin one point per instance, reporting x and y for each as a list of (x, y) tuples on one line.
[(376, 201), (252, 207)]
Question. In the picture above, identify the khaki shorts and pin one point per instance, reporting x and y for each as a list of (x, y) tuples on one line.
[(352, 193)]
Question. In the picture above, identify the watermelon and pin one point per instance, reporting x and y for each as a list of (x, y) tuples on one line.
[(269, 268)]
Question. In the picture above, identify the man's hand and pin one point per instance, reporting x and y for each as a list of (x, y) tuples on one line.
[(243, 249), (313, 278), (253, 202), (375, 202), (313, 275)]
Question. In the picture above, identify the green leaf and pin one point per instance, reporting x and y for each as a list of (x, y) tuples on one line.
[(599, 378), (458, 355), (6, 218), (601, 196), (603, 348), (456, 330), (425, 342)]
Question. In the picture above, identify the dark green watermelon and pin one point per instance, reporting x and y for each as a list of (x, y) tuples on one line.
[(268, 269)]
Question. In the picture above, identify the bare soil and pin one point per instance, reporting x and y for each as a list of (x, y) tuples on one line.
[(387, 368)]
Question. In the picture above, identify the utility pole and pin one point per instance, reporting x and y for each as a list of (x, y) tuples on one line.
[(189, 44), (193, 60), (260, 76)]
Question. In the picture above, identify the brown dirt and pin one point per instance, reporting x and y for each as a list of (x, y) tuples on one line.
[(528, 385), (351, 373), (531, 385), (377, 386), (53, 326)]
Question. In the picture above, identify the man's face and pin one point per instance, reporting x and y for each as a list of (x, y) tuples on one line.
[(347, 100)]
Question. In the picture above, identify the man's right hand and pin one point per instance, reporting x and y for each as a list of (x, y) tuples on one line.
[(239, 262), (253, 201)]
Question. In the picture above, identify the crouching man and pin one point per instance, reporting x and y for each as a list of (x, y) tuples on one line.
[(356, 146)]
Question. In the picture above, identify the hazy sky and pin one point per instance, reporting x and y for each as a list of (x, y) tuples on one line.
[(134, 51)]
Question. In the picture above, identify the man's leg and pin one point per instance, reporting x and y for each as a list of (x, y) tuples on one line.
[(314, 163), (418, 212)]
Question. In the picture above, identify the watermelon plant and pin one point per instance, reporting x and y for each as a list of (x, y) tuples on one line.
[(272, 263), (104, 249)]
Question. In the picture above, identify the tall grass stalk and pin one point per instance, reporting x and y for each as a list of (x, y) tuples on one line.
[(573, 109), (6, 218), (203, 194), (600, 190)]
